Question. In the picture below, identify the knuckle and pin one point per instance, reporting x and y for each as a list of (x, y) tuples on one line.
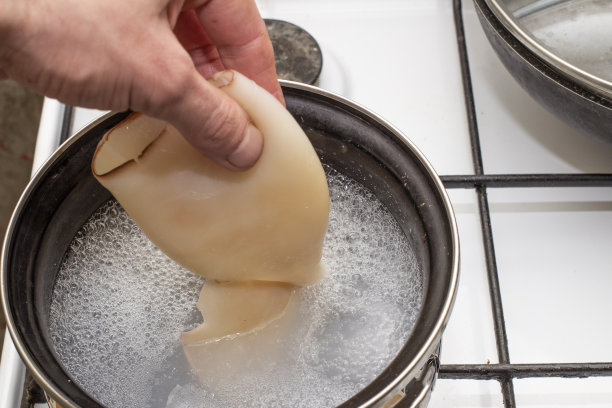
[(162, 88), (223, 128)]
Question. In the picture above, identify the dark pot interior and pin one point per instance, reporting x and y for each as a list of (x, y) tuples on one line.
[(64, 195)]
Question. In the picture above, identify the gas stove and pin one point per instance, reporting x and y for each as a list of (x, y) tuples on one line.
[(533, 199)]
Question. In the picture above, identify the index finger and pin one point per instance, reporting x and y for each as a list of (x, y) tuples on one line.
[(236, 28)]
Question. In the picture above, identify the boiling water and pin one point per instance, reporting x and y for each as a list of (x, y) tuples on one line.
[(119, 304)]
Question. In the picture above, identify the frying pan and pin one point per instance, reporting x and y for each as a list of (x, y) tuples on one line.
[(63, 195), (570, 78)]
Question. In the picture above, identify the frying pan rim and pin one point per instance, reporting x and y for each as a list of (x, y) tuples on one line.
[(583, 78)]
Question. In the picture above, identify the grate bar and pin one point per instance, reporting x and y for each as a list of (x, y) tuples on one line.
[(498, 371), (527, 180), (501, 338)]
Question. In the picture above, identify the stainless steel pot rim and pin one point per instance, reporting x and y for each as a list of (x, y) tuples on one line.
[(25, 355), (583, 78), (436, 331), (422, 355)]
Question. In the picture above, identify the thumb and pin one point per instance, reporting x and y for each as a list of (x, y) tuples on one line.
[(209, 119)]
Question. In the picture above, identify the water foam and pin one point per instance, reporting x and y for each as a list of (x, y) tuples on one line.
[(119, 305)]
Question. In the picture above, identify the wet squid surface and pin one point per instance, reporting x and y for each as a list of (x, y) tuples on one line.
[(255, 235), (119, 305)]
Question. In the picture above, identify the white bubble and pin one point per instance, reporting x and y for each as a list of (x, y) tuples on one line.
[(119, 305)]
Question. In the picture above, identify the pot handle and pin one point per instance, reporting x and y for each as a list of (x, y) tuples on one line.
[(417, 392)]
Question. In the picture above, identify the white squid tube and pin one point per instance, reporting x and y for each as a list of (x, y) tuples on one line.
[(266, 224)]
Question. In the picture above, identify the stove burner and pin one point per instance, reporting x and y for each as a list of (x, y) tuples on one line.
[(297, 54)]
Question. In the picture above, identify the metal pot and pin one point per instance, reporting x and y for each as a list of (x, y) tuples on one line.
[(562, 82), (357, 143)]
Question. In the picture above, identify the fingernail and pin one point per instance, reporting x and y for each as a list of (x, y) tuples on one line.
[(249, 150), (222, 78)]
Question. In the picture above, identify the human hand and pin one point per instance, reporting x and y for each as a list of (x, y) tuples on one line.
[(151, 56)]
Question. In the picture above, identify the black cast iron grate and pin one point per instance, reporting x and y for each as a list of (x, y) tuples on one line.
[(505, 371)]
